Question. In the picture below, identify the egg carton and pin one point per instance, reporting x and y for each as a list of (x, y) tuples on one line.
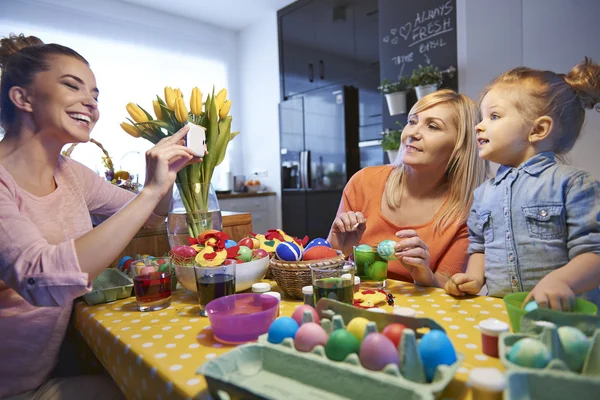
[(265, 370), (110, 285), (535, 325), (548, 385)]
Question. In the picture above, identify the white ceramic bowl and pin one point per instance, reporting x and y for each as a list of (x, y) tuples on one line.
[(245, 274)]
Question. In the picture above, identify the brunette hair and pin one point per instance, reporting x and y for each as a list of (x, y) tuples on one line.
[(465, 170), (562, 97), (21, 59)]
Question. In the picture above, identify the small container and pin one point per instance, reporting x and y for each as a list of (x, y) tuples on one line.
[(486, 383), (377, 310), (490, 331), (356, 284), (277, 295), (308, 293), (404, 311), (261, 287)]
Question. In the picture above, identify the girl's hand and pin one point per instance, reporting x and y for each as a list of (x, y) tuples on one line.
[(552, 293), (461, 284), (164, 160), (349, 222), (411, 250)]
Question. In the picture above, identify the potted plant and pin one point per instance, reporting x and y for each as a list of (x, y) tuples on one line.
[(390, 141), (426, 80), (395, 95)]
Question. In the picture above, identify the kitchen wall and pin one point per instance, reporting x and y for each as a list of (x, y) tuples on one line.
[(134, 53), (258, 57), (494, 36)]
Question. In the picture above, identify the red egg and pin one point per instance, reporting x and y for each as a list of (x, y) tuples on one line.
[(299, 313), (259, 253), (394, 333), (182, 254), (246, 242), (126, 265), (318, 253)]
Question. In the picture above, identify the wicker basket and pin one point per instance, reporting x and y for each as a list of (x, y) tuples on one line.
[(292, 276)]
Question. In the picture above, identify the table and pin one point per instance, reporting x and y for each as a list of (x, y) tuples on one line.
[(154, 355)]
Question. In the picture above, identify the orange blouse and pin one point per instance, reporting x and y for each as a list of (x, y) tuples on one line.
[(447, 249)]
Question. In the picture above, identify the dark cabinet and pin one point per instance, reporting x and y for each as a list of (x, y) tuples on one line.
[(323, 42)]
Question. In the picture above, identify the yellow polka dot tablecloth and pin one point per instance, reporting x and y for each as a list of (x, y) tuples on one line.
[(155, 355)]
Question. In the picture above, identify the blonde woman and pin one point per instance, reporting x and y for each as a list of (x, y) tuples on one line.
[(423, 199)]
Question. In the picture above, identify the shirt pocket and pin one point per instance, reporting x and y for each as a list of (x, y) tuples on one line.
[(484, 222), (545, 221)]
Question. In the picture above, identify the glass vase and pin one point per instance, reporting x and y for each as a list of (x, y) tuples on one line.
[(194, 209)]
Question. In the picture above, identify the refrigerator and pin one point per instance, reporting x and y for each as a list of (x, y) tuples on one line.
[(319, 135)]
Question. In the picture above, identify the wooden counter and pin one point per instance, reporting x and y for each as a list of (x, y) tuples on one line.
[(155, 241)]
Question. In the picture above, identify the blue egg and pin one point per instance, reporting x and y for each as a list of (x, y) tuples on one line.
[(287, 251), (529, 352), (386, 250), (532, 305), (122, 261), (436, 349), (230, 243), (317, 242), (281, 328)]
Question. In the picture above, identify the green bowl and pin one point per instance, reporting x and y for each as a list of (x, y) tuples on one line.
[(515, 312)]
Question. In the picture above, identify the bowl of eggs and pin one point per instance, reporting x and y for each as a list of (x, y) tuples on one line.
[(515, 309)]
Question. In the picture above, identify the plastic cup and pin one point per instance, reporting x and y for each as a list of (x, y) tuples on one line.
[(152, 281), (370, 267), (214, 282), (490, 331), (486, 383), (335, 282)]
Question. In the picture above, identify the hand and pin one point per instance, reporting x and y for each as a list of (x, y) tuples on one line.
[(411, 250), (552, 293), (461, 284), (165, 159), (349, 222)]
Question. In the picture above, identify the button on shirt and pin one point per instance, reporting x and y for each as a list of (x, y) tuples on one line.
[(533, 219)]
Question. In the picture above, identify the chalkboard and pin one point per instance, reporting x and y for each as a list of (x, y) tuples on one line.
[(412, 33)]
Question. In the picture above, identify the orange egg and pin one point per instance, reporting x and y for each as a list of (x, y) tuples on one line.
[(319, 253)]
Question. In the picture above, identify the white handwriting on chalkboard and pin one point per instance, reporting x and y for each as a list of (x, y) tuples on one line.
[(431, 29), (427, 15), (405, 58), (431, 44)]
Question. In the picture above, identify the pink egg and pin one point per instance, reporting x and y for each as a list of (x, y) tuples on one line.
[(377, 351), (147, 270), (308, 336), (297, 315)]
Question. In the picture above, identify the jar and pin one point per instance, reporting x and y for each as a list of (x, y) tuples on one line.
[(486, 383), (308, 294), (277, 295), (260, 287), (356, 284), (490, 332)]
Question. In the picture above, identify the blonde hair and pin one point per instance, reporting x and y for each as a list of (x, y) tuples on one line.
[(465, 170), (564, 98)]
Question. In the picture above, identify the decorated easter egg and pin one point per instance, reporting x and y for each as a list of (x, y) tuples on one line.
[(435, 349), (530, 353), (377, 351), (394, 332), (341, 344), (288, 251), (377, 271), (230, 243), (357, 327), (532, 305), (299, 314), (576, 346), (310, 335), (386, 249), (282, 328), (251, 243), (183, 254), (317, 242), (122, 261), (245, 254), (319, 253), (259, 253)]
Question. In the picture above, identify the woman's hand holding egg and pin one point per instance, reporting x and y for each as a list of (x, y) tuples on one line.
[(411, 250)]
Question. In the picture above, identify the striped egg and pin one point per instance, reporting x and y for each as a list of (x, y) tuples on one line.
[(287, 251), (386, 250)]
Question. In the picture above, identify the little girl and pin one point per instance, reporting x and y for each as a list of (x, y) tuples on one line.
[(535, 226)]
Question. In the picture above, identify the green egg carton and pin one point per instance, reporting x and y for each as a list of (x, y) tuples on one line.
[(265, 370), (525, 385), (110, 285), (542, 325)]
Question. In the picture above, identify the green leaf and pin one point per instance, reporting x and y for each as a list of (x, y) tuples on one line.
[(224, 138)]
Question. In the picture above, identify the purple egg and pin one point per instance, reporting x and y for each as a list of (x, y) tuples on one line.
[(377, 351)]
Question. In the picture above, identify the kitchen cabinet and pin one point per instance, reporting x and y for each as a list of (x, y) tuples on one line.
[(261, 206)]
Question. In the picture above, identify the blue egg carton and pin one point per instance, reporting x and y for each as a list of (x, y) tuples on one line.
[(543, 325), (265, 370)]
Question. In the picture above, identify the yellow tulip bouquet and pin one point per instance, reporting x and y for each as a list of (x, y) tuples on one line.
[(193, 181)]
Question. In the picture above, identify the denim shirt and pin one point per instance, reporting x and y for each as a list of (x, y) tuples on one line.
[(533, 219)]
